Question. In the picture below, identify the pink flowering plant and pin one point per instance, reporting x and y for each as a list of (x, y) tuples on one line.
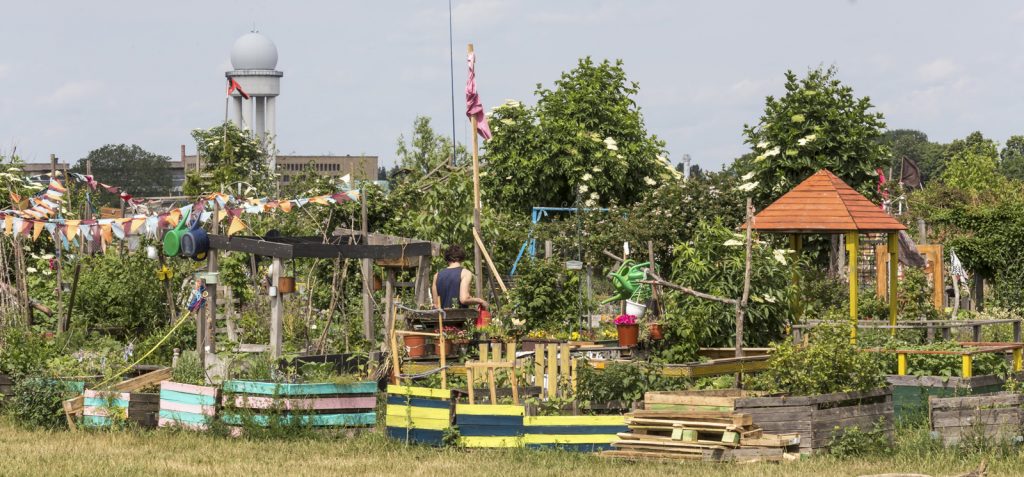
[(625, 320)]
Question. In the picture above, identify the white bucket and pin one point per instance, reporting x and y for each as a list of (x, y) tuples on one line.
[(635, 309)]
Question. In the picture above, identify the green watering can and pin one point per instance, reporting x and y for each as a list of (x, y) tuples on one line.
[(627, 280), (172, 239)]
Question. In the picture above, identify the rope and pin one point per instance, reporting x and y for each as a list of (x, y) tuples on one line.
[(181, 320)]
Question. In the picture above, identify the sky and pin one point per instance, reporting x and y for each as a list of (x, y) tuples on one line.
[(77, 75)]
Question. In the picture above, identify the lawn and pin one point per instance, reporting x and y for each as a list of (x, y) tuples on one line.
[(158, 453)]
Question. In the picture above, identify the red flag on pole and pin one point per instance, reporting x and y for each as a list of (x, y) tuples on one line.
[(233, 86), (475, 108)]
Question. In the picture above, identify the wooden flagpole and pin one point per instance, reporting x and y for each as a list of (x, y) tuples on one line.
[(477, 262)]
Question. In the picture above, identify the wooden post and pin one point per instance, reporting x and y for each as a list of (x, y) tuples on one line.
[(478, 269), (967, 368), (276, 311), (796, 243), (894, 263), (1018, 360), (654, 288), (444, 351), (88, 208), (367, 270), (852, 240), (741, 307), (552, 370), (389, 303), (901, 364), (548, 249), (538, 365), (212, 266), (61, 323), (66, 319)]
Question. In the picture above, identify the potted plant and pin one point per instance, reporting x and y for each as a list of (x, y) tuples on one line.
[(416, 346), (655, 329), (455, 338), (628, 330)]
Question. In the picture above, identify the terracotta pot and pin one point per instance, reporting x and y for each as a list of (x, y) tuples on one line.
[(377, 284), (416, 346), (628, 334), (655, 331)]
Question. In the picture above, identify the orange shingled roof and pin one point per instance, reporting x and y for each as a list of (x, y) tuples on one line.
[(823, 203)]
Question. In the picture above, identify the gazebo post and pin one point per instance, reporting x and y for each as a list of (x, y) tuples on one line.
[(894, 258), (796, 244), (852, 243)]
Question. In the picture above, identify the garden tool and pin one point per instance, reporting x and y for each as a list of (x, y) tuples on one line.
[(626, 281)]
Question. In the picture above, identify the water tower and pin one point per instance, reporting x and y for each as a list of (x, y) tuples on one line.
[(254, 59)]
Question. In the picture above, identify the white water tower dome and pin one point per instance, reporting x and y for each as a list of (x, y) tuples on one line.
[(253, 51)]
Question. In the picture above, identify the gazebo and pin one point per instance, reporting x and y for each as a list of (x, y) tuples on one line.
[(824, 204)]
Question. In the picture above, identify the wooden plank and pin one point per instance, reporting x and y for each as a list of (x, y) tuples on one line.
[(552, 370), (302, 389), (538, 365), (490, 409), (959, 403), (317, 420), (529, 438), (563, 366), (417, 422), (188, 388), (419, 391), (314, 404), (574, 421)]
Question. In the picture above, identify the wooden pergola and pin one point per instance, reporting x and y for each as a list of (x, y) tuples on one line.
[(824, 204), (287, 248)]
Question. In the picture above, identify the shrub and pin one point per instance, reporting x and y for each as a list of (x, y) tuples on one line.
[(24, 353), (36, 402), (855, 442), (189, 369), (830, 363), (121, 294), (626, 382), (544, 295)]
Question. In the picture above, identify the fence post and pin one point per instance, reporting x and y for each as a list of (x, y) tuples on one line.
[(967, 370), (901, 364)]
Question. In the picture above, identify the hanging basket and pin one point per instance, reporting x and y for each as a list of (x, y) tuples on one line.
[(635, 309)]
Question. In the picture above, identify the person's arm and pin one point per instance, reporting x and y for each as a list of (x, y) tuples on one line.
[(436, 297), (464, 297)]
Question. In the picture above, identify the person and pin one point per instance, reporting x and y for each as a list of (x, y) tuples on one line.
[(451, 285)]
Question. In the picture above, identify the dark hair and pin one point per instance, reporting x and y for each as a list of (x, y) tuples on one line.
[(454, 253)]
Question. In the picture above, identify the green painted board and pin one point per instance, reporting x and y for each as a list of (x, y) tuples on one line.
[(188, 417), (101, 402), (286, 389), (186, 398), (318, 420)]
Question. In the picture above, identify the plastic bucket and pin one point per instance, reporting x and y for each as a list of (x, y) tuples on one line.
[(635, 309)]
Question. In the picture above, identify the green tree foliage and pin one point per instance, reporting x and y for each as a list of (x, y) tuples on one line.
[(129, 167), (1011, 158), (545, 296), (912, 144), (229, 155), (713, 262), (583, 143), (425, 151), (818, 123), (120, 293)]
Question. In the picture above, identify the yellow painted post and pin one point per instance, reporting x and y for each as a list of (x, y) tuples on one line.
[(796, 243), (901, 364), (894, 262), (1018, 360), (852, 243), (552, 370), (967, 370)]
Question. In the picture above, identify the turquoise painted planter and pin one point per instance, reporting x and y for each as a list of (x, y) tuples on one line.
[(318, 405), (187, 406), (105, 408)]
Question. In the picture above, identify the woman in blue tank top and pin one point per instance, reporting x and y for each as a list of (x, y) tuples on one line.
[(451, 285)]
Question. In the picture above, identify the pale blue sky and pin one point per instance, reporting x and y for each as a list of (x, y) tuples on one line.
[(76, 75)]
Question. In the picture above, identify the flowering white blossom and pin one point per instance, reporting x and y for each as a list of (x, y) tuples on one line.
[(586, 177), (733, 243), (31, 270), (512, 103), (768, 298), (760, 158), (762, 145), (597, 169), (611, 144), (772, 152), (649, 181), (780, 255), (747, 176), (806, 139), (595, 195), (507, 122), (584, 189), (747, 186), (589, 203)]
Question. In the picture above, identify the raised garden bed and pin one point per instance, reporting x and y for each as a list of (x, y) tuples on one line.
[(107, 408), (912, 393), (817, 419), (318, 405), (420, 415), (187, 405), (994, 416), (485, 425)]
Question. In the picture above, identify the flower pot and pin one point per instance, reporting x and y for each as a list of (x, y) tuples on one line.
[(628, 334), (416, 346), (286, 285), (635, 309), (377, 284), (655, 329)]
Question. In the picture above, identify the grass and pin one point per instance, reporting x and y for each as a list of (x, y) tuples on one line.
[(159, 453)]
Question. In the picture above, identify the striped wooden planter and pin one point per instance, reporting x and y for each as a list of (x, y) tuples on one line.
[(104, 408), (320, 405), (187, 406), (484, 425), (911, 393), (420, 415)]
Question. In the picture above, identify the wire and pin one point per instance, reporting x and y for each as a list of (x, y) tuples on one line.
[(451, 71)]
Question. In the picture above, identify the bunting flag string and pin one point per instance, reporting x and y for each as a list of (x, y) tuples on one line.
[(43, 213)]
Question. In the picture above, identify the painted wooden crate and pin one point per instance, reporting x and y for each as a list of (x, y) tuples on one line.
[(995, 416), (105, 408), (187, 405), (485, 425), (911, 393), (319, 405), (420, 415), (815, 418)]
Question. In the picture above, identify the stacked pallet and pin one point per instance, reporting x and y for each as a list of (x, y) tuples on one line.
[(107, 408), (996, 417), (187, 406), (416, 414), (700, 435), (318, 405)]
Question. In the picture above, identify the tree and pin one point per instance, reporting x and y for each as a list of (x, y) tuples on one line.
[(229, 155), (130, 168), (914, 145), (424, 151), (583, 143), (817, 124), (1011, 158)]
